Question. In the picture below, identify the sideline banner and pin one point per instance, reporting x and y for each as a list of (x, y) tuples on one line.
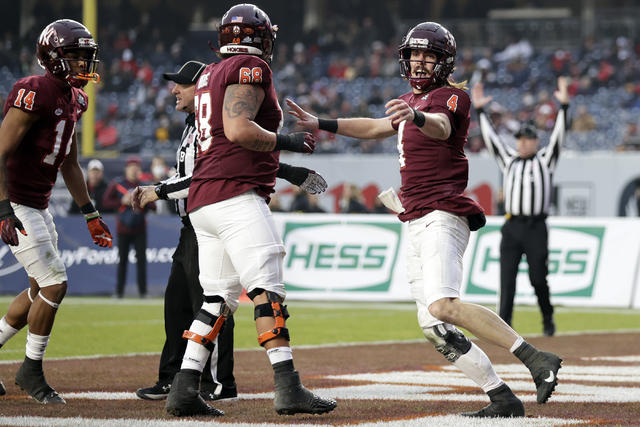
[(91, 270), (348, 257), (592, 262)]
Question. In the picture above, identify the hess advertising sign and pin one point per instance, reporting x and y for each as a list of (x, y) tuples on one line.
[(340, 256), (574, 255)]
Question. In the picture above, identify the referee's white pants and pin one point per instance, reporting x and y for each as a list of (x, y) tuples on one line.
[(238, 246), (437, 242)]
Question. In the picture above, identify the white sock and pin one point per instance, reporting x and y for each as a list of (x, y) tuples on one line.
[(476, 365), (516, 344), (6, 331), (279, 354), (36, 345), (196, 355)]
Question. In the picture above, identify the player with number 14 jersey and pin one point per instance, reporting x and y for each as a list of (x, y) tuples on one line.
[(33, 167)]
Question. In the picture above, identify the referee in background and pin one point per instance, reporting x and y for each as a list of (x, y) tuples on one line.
[(527, 185), (183, 295)]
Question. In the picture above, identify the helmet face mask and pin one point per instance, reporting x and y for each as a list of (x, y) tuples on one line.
[(434, 38), (67, 50), (245, 29)]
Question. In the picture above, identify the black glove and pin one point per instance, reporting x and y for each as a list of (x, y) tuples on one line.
[(307, 179), (9, 222), (299, 142)]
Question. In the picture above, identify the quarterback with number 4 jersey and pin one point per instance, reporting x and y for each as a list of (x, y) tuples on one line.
[(432, 122), (237, 120), (38, 139)]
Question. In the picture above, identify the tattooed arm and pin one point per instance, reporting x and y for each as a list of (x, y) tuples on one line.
[(241, 105)]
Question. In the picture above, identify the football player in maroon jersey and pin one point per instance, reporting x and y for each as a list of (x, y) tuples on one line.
[(38, 138), (432, 123), (237, 120)]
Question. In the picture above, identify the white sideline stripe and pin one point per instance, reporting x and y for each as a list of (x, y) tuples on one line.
[(398, 305), (435, 421), (320, 346), (614, 358)]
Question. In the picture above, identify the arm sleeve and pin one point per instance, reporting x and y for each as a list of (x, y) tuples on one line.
[(551, 152), (495, 145), (176, 187)]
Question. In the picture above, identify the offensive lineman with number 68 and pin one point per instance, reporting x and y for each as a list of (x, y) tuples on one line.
[(38, 138), (238, 117)]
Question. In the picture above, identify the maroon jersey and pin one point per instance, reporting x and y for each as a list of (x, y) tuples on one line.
[(32, 169), (224, 169), (435, 172)]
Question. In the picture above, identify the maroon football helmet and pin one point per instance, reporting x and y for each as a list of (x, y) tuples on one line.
[(432, 37), (245, 29), (65, 41)]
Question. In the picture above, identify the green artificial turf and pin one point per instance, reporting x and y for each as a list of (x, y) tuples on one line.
[(94, 326)]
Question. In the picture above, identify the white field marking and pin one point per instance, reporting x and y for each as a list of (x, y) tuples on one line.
[(328, 305), (418, 385), (614, 358), (437, 385), (436, 421), (89, 357)]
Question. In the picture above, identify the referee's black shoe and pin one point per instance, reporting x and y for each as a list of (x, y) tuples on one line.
[(548, 327), (504, 404), (159, 391), (226, 393)]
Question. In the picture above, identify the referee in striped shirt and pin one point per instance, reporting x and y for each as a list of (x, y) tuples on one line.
[(527, 185), (183, 295)]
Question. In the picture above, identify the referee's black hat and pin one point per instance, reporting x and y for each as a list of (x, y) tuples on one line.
[(528, 129), (188, 74)]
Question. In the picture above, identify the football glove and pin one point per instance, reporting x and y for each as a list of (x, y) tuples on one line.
[(9, 222), (314, 184), (298, 142), (307, 179), (99, 230)]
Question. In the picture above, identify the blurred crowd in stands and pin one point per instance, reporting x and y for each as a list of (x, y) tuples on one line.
[(350, 69)]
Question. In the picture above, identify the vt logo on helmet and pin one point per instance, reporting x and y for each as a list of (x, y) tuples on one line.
[(67, 50), (245, 29), (432, 37)]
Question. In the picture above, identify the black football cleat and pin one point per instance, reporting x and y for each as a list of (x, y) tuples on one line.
[(184, 398), (544, 368), (504, 404), (159, 391), (30, 378), (291, 397), (3, 390)]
